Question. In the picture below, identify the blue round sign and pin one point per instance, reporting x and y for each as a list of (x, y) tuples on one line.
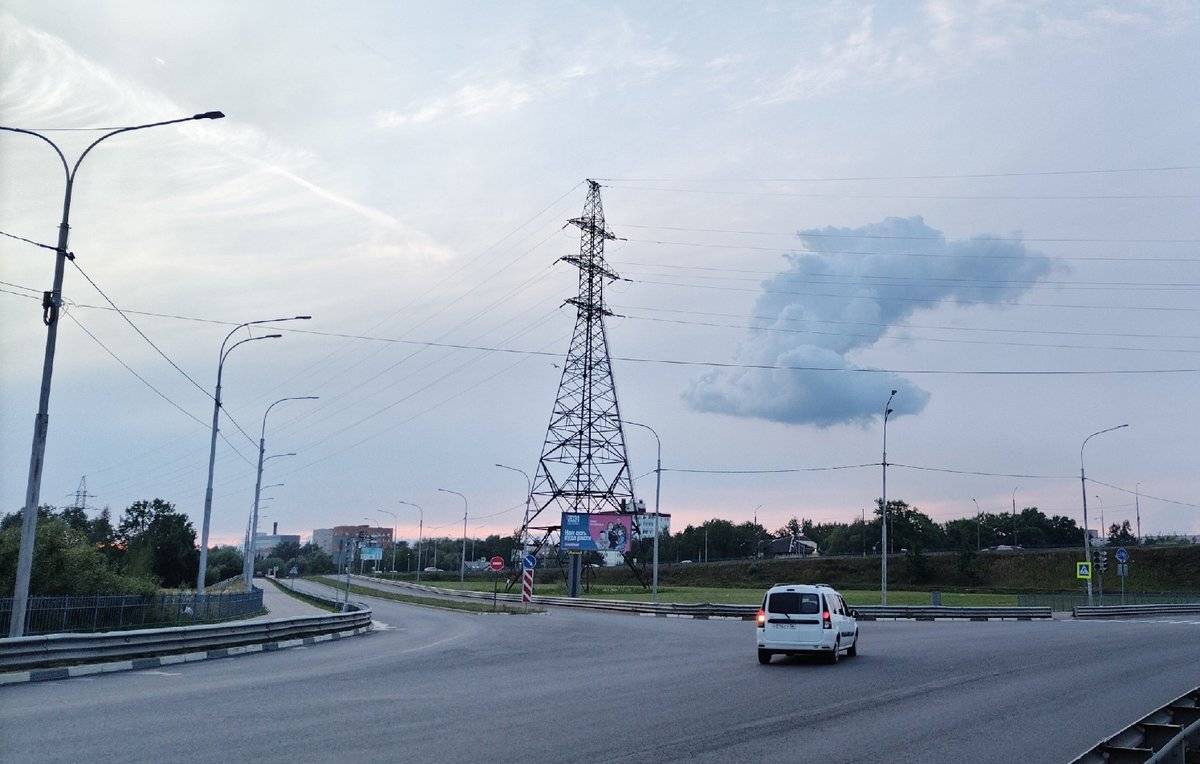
[(1122, 555), (530, 562)]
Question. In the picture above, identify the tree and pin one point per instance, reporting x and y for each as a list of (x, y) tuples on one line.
[(223, 562), (64, 562), (1121, 534), (286, 550), (158, 542)]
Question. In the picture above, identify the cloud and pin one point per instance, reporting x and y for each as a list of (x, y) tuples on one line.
[(855, 299)]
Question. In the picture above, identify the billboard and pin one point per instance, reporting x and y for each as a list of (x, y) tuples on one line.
[(371, 553), (596, 532)]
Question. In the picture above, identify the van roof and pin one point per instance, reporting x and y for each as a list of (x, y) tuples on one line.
[(799, 587)]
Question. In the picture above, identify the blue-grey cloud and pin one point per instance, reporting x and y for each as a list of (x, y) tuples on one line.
[(910, 266)]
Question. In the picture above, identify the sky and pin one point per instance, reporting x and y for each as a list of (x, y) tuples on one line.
[(889, 193)]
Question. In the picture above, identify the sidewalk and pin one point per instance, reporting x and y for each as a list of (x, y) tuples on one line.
[(282, 605)]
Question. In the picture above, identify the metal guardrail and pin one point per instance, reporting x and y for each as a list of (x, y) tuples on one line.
[(1067, 601), (1135, 611), (23, 653), (1167, 735), (57, 614), (743, 612)]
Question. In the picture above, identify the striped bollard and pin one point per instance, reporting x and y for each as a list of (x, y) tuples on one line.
[(527, 586)]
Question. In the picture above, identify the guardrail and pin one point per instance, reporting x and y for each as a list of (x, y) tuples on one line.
[(23, 653), (1167, 735), (1134, 611), (742, 612), (97, 612)]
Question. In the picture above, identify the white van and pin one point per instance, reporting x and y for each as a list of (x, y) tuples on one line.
[(805, 619)]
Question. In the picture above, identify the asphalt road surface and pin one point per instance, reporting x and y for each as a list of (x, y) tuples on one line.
[(441, 686)]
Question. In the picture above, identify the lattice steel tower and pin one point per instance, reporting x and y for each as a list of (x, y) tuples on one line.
[(584, 466)]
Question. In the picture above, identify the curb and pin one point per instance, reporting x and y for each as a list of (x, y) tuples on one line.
[(140, 664)]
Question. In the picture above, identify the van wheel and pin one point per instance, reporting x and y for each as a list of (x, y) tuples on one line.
[(853, 651), (836, 655), (764, 656)]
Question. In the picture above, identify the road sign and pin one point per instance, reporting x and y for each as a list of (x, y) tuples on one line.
[(1122, 569), (529, 562), (1083, 571), (527, 584), (371, 553), (496, 564), (1122, 555)]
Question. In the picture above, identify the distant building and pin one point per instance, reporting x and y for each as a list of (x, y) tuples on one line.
[(323, 538), (344, 538), (265, 543)]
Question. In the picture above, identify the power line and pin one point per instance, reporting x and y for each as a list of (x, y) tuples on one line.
[(950, 197), (818, 277), (28, 241), (876, 253), (988, 237), (1021, 174), (769, 471), (159, 350), (924, 300), (877, 337), (983, 474), (915, 326), (1142, 495)]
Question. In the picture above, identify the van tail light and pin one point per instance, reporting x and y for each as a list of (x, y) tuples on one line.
[(761, 619), (826, 621)]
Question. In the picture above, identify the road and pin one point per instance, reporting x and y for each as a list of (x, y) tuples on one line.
[(444, 686)]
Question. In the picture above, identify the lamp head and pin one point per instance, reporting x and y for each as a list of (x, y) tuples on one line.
[(210, 115)]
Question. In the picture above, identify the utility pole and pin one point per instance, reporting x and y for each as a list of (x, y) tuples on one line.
[(584, 466), (978, 527), (248, 566), (201, 568), (51, 304), (1087, 542), (1014, 511), (462, 571), (657, 493), (883, 518), (1137, 508), (420, 533)]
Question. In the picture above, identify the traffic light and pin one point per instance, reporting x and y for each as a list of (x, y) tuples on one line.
[(1102, 560)]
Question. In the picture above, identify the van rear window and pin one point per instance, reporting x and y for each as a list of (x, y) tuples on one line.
[(793, 603)]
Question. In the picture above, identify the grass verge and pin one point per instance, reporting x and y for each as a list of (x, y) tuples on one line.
[(306, 599), (445, 604), (747, 596)]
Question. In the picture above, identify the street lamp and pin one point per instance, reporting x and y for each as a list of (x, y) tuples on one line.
[(657, 491), (51, 302), (262, 444), (212, 446), (978, 526), (462, 571), (883, 517), (395, 522), (1087, 542), (528, 497), (420, 533), (1014, 508)]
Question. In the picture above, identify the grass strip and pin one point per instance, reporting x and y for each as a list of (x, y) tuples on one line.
[(306, 599), (444, 604)]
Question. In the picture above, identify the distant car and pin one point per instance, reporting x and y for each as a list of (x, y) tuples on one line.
[(685, 562), (805, 619), (432, 570)]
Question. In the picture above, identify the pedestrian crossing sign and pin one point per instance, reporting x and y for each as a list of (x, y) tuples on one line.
[(1083, 570)]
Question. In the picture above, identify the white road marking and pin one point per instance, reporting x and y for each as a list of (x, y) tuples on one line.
[(155, 672)]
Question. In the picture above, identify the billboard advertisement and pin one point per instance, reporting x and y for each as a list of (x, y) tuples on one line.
[(371, 553), (596, 532)]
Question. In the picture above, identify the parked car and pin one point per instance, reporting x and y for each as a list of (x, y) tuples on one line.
[(432, 570), (805, 619)]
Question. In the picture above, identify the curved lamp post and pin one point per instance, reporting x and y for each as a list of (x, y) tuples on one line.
[(51, 302), (212, 445), (420, 532), (462, 571), (1087, 542)]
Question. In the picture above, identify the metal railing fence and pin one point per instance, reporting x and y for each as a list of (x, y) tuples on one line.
[(84, 613), (1068, 601)]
